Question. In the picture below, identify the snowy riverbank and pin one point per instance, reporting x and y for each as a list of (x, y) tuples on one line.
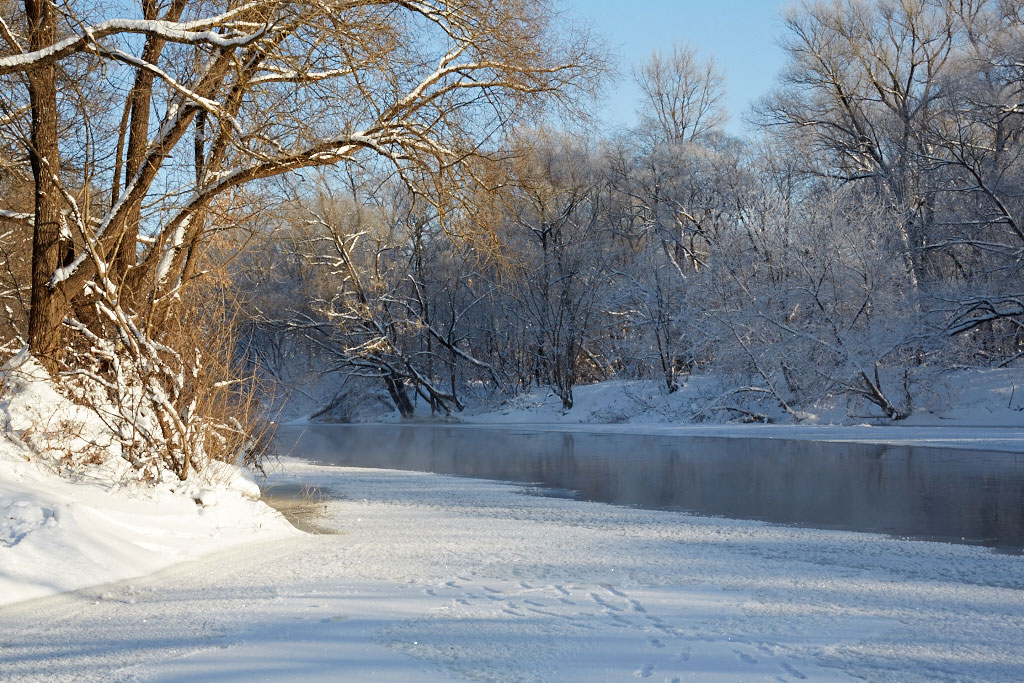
[(970, 409), (74, 514), (440, 578), (962, 398), (433, 578), (62, 533)]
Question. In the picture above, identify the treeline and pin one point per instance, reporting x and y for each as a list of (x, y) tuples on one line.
[(869, 232)]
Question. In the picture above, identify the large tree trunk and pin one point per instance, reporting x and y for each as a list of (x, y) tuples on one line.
[(49, 246), (396, 388)]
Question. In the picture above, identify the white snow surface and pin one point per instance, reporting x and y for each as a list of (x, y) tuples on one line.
[(430, 577), (71, 514), (440, 578)]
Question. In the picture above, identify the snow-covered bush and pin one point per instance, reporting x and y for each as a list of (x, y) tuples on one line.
[(171, 397)]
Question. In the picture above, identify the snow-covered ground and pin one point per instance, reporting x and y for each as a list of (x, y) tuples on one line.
[(73, 515), (60, 533), (440, 578)]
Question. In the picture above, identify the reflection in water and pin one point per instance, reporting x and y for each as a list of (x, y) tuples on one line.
[(942, 494)]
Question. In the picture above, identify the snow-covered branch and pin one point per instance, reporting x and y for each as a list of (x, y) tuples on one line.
[(197, 32)]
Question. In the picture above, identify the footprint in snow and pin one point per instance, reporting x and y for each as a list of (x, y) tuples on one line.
[(621, 622), (792, 671), (655, 642), (637, 607), (614, 591), (744, 657), (660, 625), (604, 603), (644, 671)]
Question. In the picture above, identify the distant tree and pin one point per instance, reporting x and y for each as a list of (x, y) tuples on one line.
[(918, 104), (547, 217), (682, 94), (862, 83)]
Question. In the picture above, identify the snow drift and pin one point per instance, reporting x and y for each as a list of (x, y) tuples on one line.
[(73, 511)]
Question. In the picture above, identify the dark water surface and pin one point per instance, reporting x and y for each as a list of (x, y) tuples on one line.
[(974, 497)]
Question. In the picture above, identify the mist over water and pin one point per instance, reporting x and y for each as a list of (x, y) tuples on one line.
[(974, 497)]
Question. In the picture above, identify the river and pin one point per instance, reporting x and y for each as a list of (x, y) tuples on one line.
[(941, 494)]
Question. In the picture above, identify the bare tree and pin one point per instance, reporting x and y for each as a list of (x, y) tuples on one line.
[(546, 216), (863, 82), (682, 94), (977, 152), (869, 236)]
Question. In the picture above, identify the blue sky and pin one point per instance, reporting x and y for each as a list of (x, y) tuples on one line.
[(739, 34)]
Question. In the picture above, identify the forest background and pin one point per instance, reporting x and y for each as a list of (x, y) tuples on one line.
[(208, 210)]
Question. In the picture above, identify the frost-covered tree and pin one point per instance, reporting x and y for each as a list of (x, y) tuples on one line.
[(151, 129), (869, 233), (682, 94), (862, 83), (547, 216)]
